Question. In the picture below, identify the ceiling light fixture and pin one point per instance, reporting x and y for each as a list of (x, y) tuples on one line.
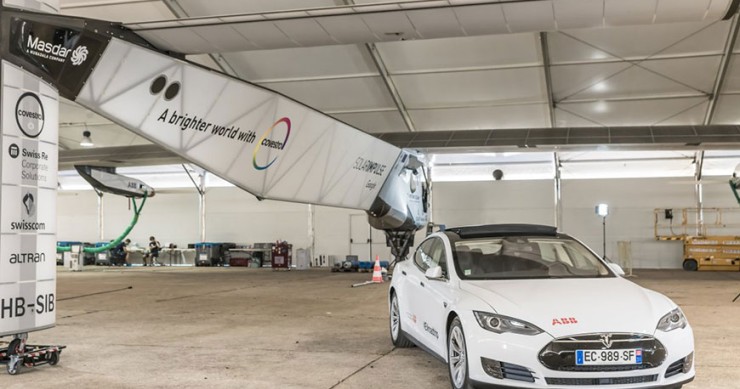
[(86, 140), (601, 86), (601, 106)]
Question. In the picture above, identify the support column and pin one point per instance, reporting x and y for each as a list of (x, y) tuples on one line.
[(29, 112), (101, 217), (311, 232), (558, 193), (200, 186), (699, 191), (202, 207)]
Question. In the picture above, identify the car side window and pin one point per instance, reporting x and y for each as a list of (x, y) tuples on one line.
[(431, 253), (423, 256), (440, 256)]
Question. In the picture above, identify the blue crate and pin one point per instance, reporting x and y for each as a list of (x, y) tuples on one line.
[(68, 243)]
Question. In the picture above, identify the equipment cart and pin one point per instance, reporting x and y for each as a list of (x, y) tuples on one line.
[(16, 354), (282, 255), (212, 253)]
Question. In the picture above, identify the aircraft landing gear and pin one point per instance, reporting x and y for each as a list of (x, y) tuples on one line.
[(400, 242)]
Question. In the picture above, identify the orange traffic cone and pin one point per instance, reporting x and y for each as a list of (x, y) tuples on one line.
[(377, 273)]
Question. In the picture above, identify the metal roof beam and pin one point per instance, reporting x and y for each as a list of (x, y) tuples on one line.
[(387, 80), (548, 77), (722, 71), (176, 8), (569, 137), (378, 60)]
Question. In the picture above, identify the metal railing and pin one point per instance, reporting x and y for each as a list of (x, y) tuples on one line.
[(690, 222)]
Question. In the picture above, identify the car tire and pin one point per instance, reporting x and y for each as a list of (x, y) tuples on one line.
[(690, 265), (457, 356), (398, 337)]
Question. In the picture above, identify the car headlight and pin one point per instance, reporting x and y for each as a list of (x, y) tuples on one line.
[(672, 320), (501, 324)]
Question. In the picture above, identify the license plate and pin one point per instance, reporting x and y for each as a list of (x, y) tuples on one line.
[(609, 357)]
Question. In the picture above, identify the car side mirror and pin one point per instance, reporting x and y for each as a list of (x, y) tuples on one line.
[(616, 269), (434, 272)]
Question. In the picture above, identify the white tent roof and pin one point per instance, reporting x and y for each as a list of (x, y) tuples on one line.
[(453, 65)]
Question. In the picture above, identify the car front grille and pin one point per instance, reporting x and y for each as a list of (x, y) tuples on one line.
[(674, 368), (560, 354), (516, 372), (504, 370), (601, 381)]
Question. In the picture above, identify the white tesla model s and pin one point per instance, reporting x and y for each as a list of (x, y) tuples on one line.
[(522, 306)]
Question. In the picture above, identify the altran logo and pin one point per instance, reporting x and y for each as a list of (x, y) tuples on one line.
[(269, 143), (79, 55)]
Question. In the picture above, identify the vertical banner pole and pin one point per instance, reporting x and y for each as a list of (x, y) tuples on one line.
[(30, 124)]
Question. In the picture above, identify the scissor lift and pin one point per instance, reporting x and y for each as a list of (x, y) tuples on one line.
[(718, 253), (707, 244)]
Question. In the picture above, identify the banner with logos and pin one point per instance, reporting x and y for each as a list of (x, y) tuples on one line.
[(30, 121), (58, 49), (257, 139)]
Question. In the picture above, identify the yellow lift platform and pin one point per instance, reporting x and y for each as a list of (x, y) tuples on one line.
[(704, 232)]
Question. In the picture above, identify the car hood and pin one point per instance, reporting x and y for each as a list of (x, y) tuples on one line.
[(575, 306)]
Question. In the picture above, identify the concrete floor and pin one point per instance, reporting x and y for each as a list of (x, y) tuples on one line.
[(255, 328)]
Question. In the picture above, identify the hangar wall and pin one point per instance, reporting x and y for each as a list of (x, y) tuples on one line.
[(234, 215)]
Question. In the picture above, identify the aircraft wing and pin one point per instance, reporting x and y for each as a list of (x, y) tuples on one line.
[(259, 140)]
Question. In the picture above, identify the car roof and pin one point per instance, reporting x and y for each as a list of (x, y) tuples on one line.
[(491, 230)]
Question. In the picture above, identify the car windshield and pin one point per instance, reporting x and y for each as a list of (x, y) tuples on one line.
[(515, 257)]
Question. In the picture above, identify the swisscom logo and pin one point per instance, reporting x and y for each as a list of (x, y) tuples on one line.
[(272, 144), (29, 115)]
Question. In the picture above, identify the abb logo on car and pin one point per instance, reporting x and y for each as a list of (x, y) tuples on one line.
[(564, 320)]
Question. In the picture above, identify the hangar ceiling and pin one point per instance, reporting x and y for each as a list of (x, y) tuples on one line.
[(417, 70)]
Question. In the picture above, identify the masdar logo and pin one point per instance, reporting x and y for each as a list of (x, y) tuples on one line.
[(272, 144)]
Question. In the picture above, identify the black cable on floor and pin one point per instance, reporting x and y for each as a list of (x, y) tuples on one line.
[(96, 293), (361, 369)]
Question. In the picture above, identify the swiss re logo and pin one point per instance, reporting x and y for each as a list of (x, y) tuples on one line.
[(14, 151)]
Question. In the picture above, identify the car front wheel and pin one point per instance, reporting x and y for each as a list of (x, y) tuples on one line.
[(457, 356), (397, 335)]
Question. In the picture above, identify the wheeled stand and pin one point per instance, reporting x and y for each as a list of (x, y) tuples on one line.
[(18, 353)]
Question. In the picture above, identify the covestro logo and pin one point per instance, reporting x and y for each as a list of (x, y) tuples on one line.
[(272, 144), (29, 114)]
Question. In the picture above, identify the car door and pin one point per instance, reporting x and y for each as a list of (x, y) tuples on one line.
[(412, 297), (437, 294)]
